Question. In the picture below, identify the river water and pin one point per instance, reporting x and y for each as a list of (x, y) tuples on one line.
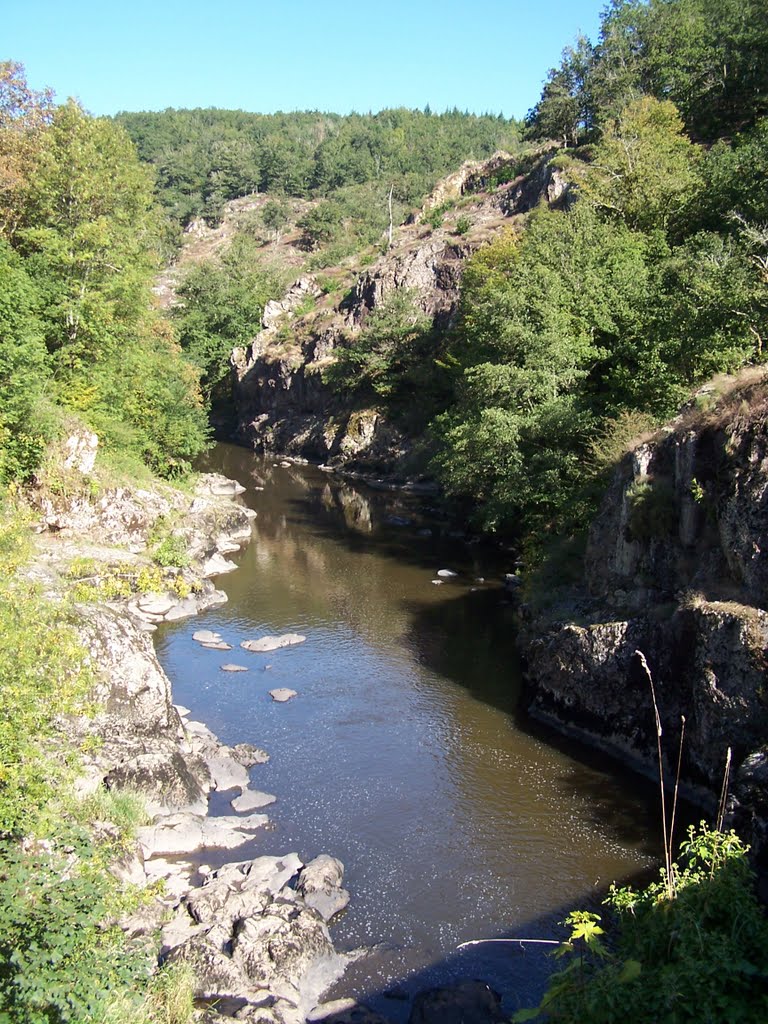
[(404, 753)]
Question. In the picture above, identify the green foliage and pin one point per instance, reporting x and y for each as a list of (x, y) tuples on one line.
[(699, 956), (75, 322), (537, 318), (644, 168), (204, 157), (85, 233), (57, 966), (463, 224), (23, 371), (123, 810), (274, 216), (101, 581), (43, 673), (705, 56), (222, 306), (171, 551), (388, 348)]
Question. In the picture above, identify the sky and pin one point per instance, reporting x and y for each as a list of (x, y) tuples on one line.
[(336, 56)]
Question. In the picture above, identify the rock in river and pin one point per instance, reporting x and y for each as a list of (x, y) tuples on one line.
[(273, 643), (282, 694)]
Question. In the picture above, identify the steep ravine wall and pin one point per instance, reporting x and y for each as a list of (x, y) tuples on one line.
[(676, 567), (282, 403)]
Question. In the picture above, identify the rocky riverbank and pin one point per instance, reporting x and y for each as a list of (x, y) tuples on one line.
[(254, 930)]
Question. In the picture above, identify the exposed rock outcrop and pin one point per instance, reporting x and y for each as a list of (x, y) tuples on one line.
[(281, 400), (676, 567)]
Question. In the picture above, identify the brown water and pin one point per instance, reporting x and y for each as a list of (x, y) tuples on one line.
[(404, 753)]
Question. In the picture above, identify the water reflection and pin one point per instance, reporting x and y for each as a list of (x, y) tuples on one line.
[(403, 753)]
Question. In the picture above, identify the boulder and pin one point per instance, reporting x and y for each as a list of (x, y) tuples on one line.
[(252, 800), (320, 886), (166, 780)]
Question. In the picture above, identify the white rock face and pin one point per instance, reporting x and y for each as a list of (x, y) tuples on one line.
[(81, 452)]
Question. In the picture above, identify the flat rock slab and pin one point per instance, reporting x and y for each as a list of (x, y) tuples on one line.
[(206, 636), (345, 1011), (227, 773), (273, 643), (233, 668), (219, 645), (252, 800), (217, 565), (156, 604), (282, 694)]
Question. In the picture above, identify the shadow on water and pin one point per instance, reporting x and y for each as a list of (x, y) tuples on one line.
[(518, 971), (408, 754)]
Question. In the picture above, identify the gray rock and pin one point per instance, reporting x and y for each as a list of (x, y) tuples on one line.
[(219, 486), (320, 886), (227, 772), (229, 667), (273, 643), (252, 800), (156, 604), (219, 646), (345, 1011), (217, 565), (166, 780), (206, 636), (129, 868), (282, 694), (144, 921), (248, 755)]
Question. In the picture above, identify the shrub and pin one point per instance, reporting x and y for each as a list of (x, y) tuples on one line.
[(57, 965), (698, 956)]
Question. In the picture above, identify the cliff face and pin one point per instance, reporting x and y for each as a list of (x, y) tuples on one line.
[(676, 567), (281, 401)]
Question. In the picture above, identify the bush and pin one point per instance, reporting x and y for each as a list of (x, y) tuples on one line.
[(43, 673), (57, 965), (699, 957)]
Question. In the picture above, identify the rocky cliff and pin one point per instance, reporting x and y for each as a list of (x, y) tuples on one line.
[(282, 402), (676, 567)]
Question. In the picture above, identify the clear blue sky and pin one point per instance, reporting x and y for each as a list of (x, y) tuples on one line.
[(337, 55)]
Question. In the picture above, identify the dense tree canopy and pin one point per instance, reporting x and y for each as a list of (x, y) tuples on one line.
[(205, 157), (77, 261), (708, 57)]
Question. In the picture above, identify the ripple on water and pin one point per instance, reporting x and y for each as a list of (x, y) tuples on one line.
[(401, 753)]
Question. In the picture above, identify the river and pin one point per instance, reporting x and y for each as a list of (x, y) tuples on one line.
[(405, 753)]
